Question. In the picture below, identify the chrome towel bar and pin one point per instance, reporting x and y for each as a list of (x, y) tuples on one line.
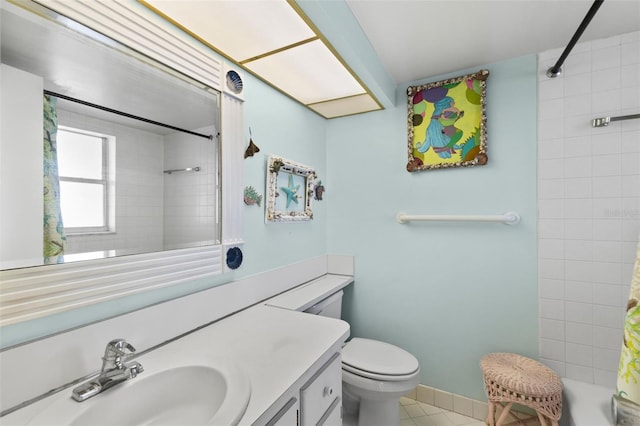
[(188, 169)]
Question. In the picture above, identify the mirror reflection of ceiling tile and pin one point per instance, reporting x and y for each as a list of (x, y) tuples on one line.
[(346, 106), (240, 29), (310, 73), (276, 42)]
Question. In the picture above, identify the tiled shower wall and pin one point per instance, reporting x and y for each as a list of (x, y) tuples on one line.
[(589, 205), (191, 198), (138, 212), (155, 211)]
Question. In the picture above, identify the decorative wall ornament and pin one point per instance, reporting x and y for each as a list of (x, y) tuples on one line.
[(318, 190), (234, 257), (251, 196), (252, 149), (290, 189), (446, 123), (234, 82)]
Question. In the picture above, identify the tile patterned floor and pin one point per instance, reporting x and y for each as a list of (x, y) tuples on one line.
[(414, 413)]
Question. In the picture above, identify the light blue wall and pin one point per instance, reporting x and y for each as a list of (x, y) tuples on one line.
[(448, 293), (282, 127), (279, 126)]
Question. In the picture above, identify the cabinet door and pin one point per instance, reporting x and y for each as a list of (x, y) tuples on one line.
[(322, 393), (287, 416), (333, 417)]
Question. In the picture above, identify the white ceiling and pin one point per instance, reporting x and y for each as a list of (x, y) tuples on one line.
[(418, 39)]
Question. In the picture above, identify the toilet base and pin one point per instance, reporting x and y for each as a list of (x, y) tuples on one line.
[(350, 402), (379, 413), (351, 413), (360, 411)]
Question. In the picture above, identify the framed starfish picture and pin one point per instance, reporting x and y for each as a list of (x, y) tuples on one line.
[(290, 188)]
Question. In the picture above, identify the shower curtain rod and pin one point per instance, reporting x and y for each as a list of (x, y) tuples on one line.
[(125, 114), (555, 70)]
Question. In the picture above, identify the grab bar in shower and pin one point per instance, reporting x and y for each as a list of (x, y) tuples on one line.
[(604, 121), (509, 218), (188, 169)]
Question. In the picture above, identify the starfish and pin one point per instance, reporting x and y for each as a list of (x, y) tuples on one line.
[(291, 191)]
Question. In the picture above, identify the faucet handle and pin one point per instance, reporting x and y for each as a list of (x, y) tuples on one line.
[(119, 347)]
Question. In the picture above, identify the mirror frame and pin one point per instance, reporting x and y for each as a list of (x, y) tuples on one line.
[(23, 293)]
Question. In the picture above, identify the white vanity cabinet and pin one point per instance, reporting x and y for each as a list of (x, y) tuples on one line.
[(287, 415), (318, 402), (321, 396)]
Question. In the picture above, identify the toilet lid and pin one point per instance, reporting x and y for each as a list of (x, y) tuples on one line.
[(377, 358)]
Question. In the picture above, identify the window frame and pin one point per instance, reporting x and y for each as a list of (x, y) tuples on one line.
[(104, 181)]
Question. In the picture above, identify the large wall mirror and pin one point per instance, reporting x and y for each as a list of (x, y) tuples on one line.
[(127, 185), (138, 137)]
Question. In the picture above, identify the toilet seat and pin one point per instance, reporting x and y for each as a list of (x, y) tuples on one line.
[(378, 360)]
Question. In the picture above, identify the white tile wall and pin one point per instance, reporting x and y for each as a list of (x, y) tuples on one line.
[(155, 211), (190, 198), (589, 205), (139, 161)]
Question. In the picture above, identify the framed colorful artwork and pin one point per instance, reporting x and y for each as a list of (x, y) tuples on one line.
[(446, 123), (290, 187)]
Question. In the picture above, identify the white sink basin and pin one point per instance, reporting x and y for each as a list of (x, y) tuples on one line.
[(215, 394)]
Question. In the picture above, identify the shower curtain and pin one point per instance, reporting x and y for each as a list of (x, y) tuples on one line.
[(54, 237), (628, 385)]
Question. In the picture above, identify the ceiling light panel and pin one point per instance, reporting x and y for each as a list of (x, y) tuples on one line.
[(240, 29), (276, 42), (346, 106), (309, 73)]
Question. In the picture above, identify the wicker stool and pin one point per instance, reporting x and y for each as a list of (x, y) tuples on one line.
[(511, 378)]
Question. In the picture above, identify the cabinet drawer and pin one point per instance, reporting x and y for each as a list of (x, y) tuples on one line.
[(318, 395)]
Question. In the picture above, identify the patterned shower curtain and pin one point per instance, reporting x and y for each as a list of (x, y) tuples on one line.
[(629, 372), (54, 237)]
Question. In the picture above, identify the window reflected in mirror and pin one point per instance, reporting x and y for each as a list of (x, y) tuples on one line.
[(83, 171)]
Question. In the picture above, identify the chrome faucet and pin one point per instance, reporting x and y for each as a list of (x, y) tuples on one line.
[(114, 370)]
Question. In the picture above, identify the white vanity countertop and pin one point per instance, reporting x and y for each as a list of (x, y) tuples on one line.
[(303, 297), (277, 348)]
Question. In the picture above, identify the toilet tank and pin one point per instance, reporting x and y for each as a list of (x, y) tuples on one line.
[(329, 307), (322, 296)]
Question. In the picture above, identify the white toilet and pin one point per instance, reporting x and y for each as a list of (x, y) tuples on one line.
[(374, 374)]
